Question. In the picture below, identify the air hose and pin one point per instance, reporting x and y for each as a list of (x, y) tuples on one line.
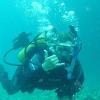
[(6, 60)]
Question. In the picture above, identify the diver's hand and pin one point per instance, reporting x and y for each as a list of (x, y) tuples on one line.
[(51, 62)]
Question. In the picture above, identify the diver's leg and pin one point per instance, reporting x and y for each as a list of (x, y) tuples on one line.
[(63, 94), (9, 85), (78, 79), (68, 91)]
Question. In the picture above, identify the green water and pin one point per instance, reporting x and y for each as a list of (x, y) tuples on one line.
[(25, 15)]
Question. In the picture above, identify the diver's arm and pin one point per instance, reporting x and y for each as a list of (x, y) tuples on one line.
[(26, 53), (72, 30)]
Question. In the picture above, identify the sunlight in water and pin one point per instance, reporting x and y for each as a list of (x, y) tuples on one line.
[(41, 10)]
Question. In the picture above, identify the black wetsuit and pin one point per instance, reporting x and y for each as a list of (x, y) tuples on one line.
[(29, 77)]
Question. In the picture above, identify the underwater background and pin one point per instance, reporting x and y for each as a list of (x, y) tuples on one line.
[(34, 16)]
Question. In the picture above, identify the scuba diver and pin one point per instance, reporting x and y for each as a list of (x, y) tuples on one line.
[(49, 62)]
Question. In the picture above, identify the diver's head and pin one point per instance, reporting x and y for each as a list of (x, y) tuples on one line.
[(64, 51), (61, 44)]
